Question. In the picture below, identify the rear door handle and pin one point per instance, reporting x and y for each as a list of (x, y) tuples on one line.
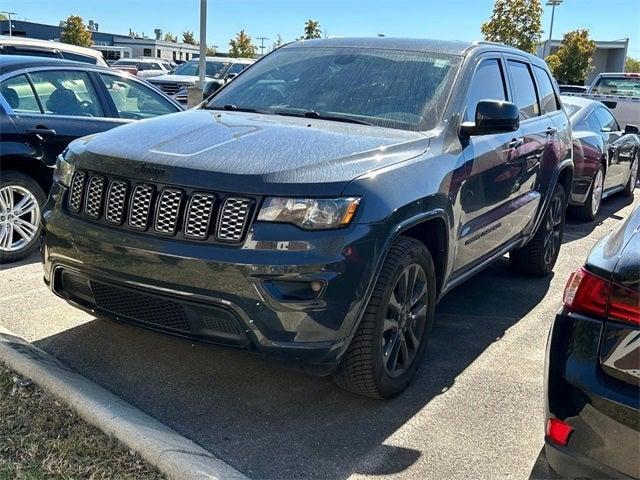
[(42, 132), (516, 143), (552, 131)]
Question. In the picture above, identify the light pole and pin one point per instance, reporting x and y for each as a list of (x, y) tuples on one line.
[(10, 26), (262, 39), (202, 61), (553, 4)]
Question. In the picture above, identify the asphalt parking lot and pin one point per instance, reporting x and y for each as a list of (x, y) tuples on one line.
[(475, 410)]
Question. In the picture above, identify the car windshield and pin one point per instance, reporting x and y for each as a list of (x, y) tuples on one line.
[(193, 68), (387, 88), (628, 86)]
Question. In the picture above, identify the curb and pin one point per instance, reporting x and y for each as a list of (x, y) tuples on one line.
[(174, 455)]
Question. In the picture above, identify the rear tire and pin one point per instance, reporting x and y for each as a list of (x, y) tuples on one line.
[(589, 210), (538, 257), (390, 341), (21, 202), (633, 178)]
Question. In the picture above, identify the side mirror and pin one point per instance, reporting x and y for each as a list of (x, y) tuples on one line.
[(231, 76), (210, 88), (492, 116), (629, 128)]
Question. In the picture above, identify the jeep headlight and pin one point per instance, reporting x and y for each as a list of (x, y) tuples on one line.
[(310, 213), (63, 172)]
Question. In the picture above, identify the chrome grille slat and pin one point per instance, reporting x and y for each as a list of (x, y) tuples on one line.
[(233, 219), (167, 211), (198, 216), (160, 209), (74, 201), (140, 206), (116, 200), (93, 198)]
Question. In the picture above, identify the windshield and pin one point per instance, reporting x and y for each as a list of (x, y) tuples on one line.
[(192, 68), (387, 88), (628, 86)]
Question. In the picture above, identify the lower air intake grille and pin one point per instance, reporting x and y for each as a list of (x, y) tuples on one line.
[(141, 307), (233, 219)]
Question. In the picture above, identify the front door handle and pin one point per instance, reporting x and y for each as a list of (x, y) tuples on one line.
[(552, 131)]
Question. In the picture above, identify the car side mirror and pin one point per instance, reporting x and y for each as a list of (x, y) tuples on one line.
[(629, 128), (492, 116), (231, 76), (210, 88)]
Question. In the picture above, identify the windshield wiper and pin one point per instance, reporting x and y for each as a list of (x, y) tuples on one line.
[(319, 116), (235, 108)]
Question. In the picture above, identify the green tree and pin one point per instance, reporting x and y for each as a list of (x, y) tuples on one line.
[(241, 46), (312, 29), (517, 23), (75, 32), (572, 62), (3, 17), (169, 37), (211, 51), (188, 37), (632, 65)]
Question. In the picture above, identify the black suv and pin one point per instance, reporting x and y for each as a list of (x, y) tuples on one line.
[(318, 206)]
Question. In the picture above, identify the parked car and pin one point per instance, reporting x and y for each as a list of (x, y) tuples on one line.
[(620, 92), (605, 157), (10, 45), (593, 364), (225, 76), (144, 67), (319, 204), (219, 69), (44, 104)]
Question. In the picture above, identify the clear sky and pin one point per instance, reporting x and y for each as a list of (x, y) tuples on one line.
[(442, 19)]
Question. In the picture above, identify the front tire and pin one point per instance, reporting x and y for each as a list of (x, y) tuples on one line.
[(633, 177), (21, 202), (589, 211), (538, 257), (390, 341)]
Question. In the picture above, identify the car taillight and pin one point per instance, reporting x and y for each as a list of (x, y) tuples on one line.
[(558, 431), (591, 294)]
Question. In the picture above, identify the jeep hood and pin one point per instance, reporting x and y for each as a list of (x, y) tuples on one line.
[(245, 152)]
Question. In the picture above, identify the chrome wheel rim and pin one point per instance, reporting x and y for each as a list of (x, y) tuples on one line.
[(405, 320), (553, 227), (19, 218), (596, 194), (634, 174)]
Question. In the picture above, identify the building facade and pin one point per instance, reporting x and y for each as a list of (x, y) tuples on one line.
[(134, 46), (608, 57)]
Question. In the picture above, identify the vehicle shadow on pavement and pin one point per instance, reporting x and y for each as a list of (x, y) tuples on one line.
[(577, 230), (270, 422)]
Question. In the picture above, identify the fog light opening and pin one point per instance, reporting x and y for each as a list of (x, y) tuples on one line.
[(558, 431)]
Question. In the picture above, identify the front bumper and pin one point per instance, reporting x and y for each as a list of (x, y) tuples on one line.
[(238, 287), (603, 410)]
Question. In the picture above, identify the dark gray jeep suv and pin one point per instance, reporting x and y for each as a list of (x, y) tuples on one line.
[(318, 206)]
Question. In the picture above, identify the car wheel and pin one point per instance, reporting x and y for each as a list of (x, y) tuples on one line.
[(538, 257), (390, 341), (589, 211), (21, 201), (633, 177)]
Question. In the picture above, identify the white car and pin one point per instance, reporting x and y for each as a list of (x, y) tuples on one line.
[(47, 48), (146, 67)]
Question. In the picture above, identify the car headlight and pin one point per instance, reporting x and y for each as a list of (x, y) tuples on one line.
[(63, 172), (310, 213)]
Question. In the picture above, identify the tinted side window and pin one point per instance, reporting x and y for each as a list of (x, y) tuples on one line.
[(487, 84), (548, 100), (79, 58), (19, 95), (67, 93), (133, 100), (524, 90), (607, 122)]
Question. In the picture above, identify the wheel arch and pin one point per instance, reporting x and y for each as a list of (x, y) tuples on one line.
[(29, 166)]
